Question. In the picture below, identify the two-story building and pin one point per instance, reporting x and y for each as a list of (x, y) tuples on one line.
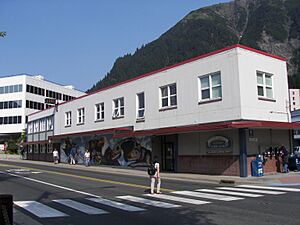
[(211, 114)]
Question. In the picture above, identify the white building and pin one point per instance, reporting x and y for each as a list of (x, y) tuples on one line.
[(211, 114), (294, 99), (21, 95)]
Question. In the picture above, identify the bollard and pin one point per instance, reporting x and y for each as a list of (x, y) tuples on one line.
[(6, 209)]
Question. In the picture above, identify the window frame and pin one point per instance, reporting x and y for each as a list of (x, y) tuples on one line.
[(99, 112), (68, 119), (118, 108), (167, 97), (210, 88), (80, 116), (265, 86), (138, 108)]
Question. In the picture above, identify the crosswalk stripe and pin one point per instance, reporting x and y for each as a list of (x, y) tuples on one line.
[(208, 196), (80, 206), (148, 202), (39, 209), (251, 190), (178, 199), (115, 204), (230, 193), (271, 188)]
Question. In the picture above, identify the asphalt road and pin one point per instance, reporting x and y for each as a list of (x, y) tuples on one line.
[(49, 195)]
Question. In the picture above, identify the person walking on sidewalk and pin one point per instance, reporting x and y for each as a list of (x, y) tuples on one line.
[(87, 156), (154, 172), (285, 159), (55, 156)]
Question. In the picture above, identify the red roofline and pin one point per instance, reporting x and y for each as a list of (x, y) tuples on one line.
[(173, 66)]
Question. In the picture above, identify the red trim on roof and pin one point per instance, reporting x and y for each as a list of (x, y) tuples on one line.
[(173, 66)]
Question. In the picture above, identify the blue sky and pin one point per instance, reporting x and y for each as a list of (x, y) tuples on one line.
[(77, 41)]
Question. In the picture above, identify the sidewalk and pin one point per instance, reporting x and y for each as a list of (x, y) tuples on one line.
[(278, 179)]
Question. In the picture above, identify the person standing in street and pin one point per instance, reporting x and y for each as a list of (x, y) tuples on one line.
[(87, 156), (55, 156), (154, 172)]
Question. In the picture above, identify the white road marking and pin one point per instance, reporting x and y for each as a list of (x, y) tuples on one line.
[(230, 193), (251, 190), (57, 186), (22, 171), (148, 202), (208, 196), (80, 206), (178, 199), (39, 209), (271, 188), (117, 205)]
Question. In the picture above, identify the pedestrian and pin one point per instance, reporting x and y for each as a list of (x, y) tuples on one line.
[(55, 156), (285, 159), (154, 173), (87, 156), (73, 154)]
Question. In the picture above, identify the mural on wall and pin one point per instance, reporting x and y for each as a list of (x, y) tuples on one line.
[(104, 149)]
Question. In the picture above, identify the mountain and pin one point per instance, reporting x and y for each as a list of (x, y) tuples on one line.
[(272, 26)]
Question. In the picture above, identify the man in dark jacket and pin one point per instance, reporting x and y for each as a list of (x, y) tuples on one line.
[(285, 159)]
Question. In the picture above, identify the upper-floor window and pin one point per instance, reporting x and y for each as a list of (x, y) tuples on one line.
[(50, 121), (168, 96), (68, 118), (11, 89), (210, 87), (43, 125), (80, 116), (118, 107), (99, 111), (264, 84), (140, 97), (36, 126), (30, 128)]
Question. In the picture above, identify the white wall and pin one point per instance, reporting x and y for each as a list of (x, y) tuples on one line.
[(188, 111), (252, 108), (239, 95)]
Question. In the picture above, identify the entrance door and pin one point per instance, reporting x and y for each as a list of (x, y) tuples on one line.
[(168, 157)]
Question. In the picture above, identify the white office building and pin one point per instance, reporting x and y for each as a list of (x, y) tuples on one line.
[(21, 95), (211, 114)]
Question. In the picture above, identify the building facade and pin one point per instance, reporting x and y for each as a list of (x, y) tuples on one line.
[(21, 95), (294, 99), (211, 114)]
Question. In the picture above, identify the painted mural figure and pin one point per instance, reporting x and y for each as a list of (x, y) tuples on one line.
[(107, 150)]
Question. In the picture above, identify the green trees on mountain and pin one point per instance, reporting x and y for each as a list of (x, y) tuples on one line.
[(270, 25)]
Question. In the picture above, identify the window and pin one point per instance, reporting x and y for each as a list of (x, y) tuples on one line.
[(68, 119), (210, 87), (99, 111), (168, 96), (36, 126), (43, 125), (50, 123), (118, 107), (30, 128), (80, 116), (264, 84), (140, 105)]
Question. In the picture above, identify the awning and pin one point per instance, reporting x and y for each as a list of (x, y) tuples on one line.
[(213, 126)]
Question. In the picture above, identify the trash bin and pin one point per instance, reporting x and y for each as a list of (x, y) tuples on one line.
[(6, 209), (297, 160), (257, 167)]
